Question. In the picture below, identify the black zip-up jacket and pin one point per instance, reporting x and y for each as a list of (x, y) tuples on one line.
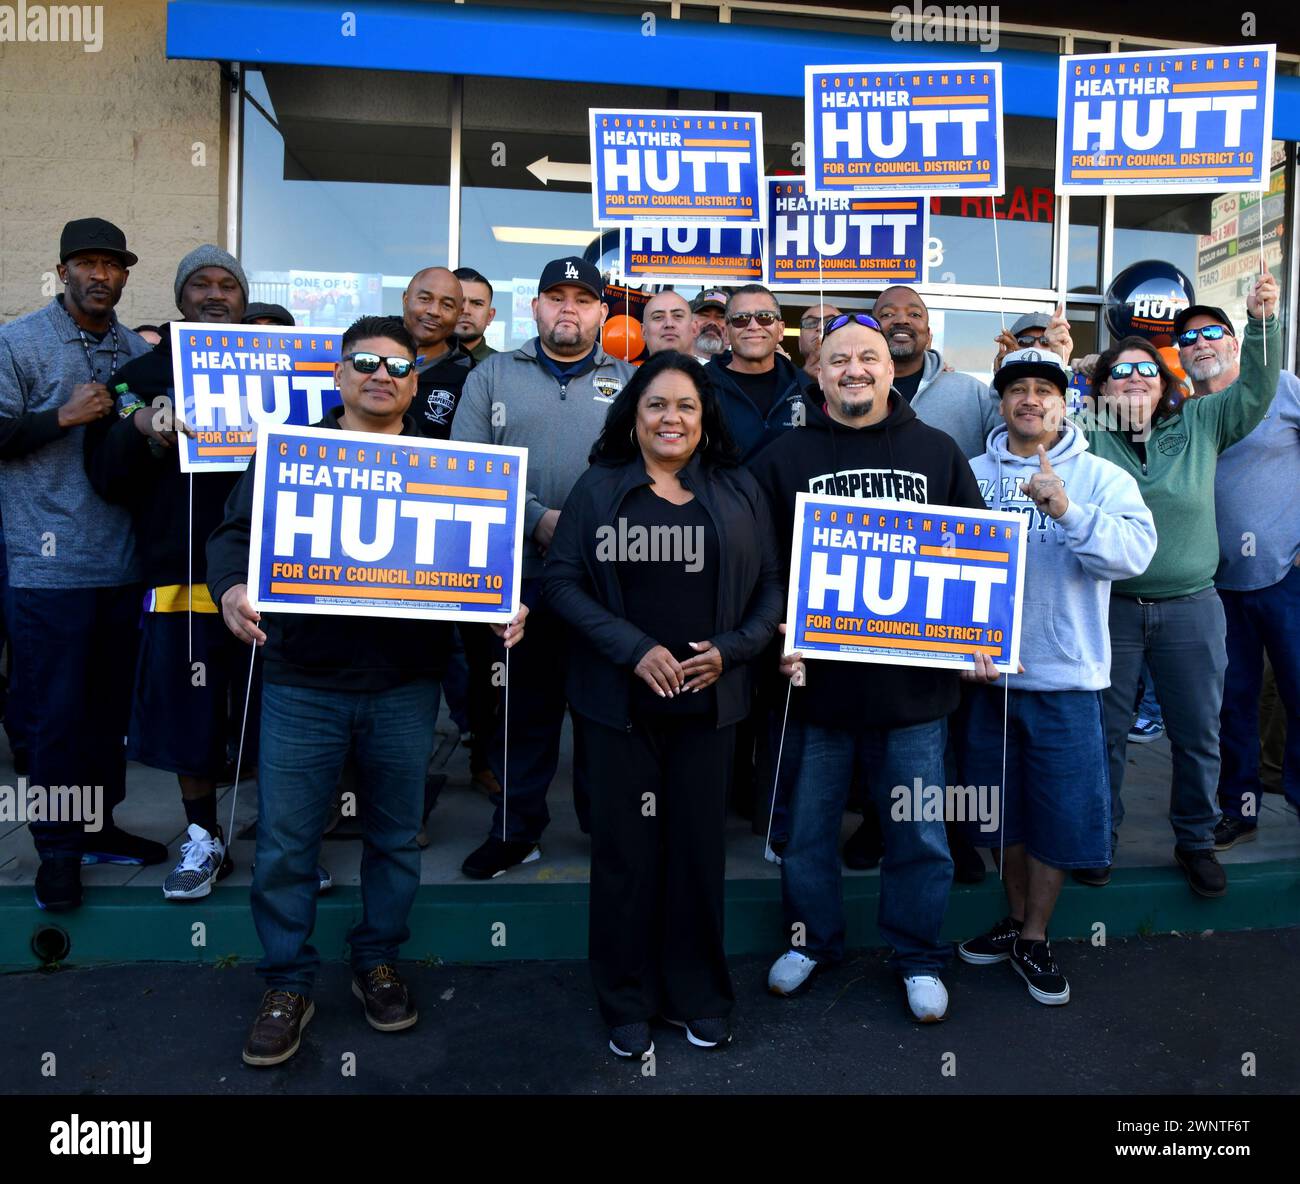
[(438, 390), (605, 645), (325, 652), (899, 457), (123, 469), (750, 428)]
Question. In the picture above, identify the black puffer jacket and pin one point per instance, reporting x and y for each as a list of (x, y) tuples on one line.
[(606, 646)]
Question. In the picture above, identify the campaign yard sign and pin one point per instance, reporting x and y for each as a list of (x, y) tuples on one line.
[(843, 240), (676, 167), (231, 379), (1165, 121), (691, 254), (361, 524), (932, 128), (904, 584)]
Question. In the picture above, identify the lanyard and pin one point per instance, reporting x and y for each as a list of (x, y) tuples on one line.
[(90, 358)]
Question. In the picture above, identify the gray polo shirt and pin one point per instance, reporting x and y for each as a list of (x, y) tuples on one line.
[(59, 533)]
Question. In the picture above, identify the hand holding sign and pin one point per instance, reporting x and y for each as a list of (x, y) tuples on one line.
[(1057, 335), (1261, 300), (984, 670), (792, 665), (1045, 488), (513, 632), (241, 617)]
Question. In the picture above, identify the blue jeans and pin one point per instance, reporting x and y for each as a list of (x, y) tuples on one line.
[(307, 734), (1148, 705), (916, 871), (1265, 619)]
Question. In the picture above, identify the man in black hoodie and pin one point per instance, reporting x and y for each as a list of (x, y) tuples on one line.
[(334, 686), (187, 659), (888, 723)]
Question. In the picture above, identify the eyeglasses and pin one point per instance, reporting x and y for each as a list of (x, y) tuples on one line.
[(811, 322), (1124, 369), (1209, 332), (366, 363), (830, 324), (738, 320)]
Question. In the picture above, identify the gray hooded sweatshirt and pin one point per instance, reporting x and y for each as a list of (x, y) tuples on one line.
[(1105, 534), (957, 404)]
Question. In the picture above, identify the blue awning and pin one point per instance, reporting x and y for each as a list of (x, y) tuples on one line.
[(584, 47)]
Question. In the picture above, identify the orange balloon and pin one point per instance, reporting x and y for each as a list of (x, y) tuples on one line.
[(622, 338), (1175, 363)]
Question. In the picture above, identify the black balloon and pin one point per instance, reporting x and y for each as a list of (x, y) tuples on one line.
[(1144, 298)]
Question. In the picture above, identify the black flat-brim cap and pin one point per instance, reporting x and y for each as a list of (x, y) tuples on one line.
[(94, 234)]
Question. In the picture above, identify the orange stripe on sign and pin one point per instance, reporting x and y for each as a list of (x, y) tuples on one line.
[(1160, 172), (483, 495), (382, 592), (847, 275), (906, 179), (1191, 87), (313, 365), (902, 643), (692, 269), (226, 449), (715, 143), (882, 205), (952, 101), (957, 553)]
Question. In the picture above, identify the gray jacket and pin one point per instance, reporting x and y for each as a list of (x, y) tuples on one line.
[(59, 532), (511, 398), (957, 404)]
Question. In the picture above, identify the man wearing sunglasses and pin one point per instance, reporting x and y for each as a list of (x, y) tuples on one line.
[(810, 335), (1258, 515), (759, 387), (335, 686)]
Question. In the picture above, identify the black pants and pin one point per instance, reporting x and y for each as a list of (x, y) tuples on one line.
[(658, 866), (536, 691)]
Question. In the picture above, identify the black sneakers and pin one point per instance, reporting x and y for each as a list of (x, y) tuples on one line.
[(114, 845), (631, 1040), (1033, 961), (993, 946), (1231, 831), (708, 1033), (58, 884), (1205, 874), (496, 857), (277, 1031), (387, 1001)]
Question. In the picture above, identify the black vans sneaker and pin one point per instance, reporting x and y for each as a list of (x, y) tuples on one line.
[(1033, 961), (993, 946), (1230, 831), (709, 1033), (114, 845), (495, 857), (1204, 872)]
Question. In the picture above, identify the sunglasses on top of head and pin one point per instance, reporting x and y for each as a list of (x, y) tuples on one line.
[(738, 320), (830, 324), (367, 363), (1209, 332), (1124, 369)]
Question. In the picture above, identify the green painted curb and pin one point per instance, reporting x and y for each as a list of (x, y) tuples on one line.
[(499, 922)]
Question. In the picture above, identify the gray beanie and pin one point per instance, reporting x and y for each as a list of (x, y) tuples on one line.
[(208, 256)]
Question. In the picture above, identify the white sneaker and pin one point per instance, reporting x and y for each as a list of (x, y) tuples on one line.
[(201, 860), (790, 973), (927, 997)]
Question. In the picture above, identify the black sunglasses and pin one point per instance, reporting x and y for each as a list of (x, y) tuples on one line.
[(738, 320), (830, 324), (367, 363), (1028, 339), (1124, 369), (1209, 332)]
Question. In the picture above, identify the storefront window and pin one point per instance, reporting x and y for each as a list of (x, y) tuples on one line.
[(345, 178)]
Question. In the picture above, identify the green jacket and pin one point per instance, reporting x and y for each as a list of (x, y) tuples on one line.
[(1177, 478)]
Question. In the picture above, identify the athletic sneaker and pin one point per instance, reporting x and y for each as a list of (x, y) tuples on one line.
[(705, 1033), (631, 1040), (1228, 832), (927, 998), (791, 973), (494, 857), (324, 881), (203, 862), (1144, 731), (1033, 961), (114, 845), (990, 947), (58, 883)]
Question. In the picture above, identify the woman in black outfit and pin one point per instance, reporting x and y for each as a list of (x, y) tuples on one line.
[(664, 565)]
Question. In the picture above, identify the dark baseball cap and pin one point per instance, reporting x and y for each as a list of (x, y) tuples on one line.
[(572, 270), (1031, 320), (277, 312), (714, 296), (1202, 310), (1030, 363), (94, 234)]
